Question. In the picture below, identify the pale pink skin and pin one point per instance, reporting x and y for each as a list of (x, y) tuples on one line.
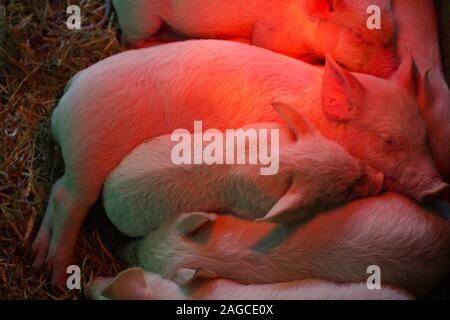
[(410, 245), (114, 105), (136, 284), (418, 31), (305, 29), (147, 188)]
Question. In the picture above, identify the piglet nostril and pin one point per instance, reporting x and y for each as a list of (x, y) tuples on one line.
[(427, 198), (433, 192)]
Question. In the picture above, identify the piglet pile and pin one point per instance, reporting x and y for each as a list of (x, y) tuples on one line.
[(284, 148)]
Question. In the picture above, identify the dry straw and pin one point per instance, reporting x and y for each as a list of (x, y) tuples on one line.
[(38, 55)]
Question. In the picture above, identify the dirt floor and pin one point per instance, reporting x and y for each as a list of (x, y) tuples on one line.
[(38, 55)]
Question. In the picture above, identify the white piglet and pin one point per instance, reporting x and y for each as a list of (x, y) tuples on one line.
[(136, 284), (308, 173), (116, 104), (305, 29), (418, 31), (409, 245)]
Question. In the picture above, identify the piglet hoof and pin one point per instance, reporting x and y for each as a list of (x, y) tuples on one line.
[(41, 243), (58, 260), (39, 248), (55, 257), (45, 260)]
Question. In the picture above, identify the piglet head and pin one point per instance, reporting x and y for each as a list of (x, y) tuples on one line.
[(434, 101), (342, 30), (381, 124), (322, 173)]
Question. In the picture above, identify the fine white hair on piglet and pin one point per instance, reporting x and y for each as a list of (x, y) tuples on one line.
[(434, 97), (315, 173), (305, 29), (410, 246), (116, 104)]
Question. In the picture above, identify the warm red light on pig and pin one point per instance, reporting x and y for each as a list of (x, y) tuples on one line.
[(146, 93), (147, 188), (305, 29), (409, 244), (418, 31)]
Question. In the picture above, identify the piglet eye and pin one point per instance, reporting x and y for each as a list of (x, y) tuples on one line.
[(358, 34), (387, 43), (387, 139), (331, 6), (388, 142)]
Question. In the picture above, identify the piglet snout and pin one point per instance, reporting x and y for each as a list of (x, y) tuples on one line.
[(422, 182), (435, 189)]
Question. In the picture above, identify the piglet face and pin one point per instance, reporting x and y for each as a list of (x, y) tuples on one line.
[(340, 177), (384, 127), (343, 31), (322, 173), (398, 147), (434, 100)]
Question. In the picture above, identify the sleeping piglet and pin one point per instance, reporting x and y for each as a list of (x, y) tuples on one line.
[(410, 245), (305, 29), (136, 284), (434, 93), (113, 106), (148, 189)]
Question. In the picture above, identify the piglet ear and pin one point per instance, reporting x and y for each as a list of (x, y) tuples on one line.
[(128, 285), (405, 75), (290, 202), (342, 93), (425, 93), (184, 276), (319, 8), (297, 124), (189, 223)]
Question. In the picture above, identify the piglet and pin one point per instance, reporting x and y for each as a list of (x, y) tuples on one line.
[(418, 32), (116, 104), (136, 284), (305, 29), (307, 174), (409, 245)]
